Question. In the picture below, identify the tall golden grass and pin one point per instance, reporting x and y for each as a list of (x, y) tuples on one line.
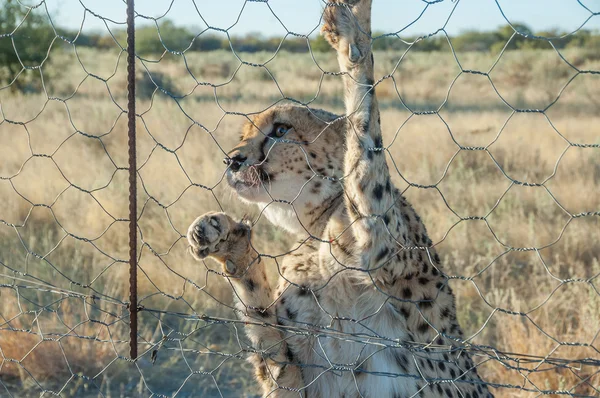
[(64, 179)]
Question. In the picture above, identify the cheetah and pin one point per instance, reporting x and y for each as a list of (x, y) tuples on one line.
[(362, 307)]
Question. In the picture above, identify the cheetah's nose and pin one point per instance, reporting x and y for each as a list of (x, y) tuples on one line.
[(235, 162)]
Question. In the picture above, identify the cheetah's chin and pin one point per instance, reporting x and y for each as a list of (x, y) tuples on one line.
[(247, 183)]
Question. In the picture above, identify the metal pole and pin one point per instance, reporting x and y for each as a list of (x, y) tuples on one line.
[(133, 304)]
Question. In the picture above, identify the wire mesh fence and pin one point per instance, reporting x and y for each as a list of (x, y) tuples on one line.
[(498, 152)]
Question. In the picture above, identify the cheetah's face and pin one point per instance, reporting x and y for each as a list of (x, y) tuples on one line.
[(283, 155)]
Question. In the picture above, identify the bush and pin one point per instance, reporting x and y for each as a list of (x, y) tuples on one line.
[(151, 40), (32, 40), (147, 84)]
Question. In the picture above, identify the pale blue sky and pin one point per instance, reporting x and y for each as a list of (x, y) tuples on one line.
[(302, 16)]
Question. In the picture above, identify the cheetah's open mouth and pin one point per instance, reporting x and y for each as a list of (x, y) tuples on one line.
[(248, 178)]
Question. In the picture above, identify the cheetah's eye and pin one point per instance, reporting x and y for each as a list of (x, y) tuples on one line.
[(281, 130)]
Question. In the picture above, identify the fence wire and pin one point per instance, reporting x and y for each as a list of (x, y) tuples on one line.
[(529, 307)]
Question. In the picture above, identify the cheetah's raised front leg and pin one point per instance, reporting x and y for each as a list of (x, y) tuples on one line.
[(218, 236), (379, 229)]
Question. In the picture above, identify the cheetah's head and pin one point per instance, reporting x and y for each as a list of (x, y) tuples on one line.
[(286, 155)]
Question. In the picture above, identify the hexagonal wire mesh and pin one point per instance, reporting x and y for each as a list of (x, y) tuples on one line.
[(514, 215)]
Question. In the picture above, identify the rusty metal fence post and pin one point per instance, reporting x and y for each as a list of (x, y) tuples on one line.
[(133, 302)]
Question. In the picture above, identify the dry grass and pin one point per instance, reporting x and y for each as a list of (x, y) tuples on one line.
[(469, 184)]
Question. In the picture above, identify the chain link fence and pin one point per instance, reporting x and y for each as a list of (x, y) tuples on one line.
[(498, 151)]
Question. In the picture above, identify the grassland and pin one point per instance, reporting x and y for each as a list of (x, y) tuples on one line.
[(63, 202)]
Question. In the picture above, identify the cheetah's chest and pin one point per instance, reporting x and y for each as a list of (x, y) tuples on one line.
[(351, 325)]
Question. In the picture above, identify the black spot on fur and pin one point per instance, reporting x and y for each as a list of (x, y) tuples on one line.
[(250, 285), (289, 355), (405, 313), (401, 361), (388, 186), (406, 293), (424, 265), (382, 253), (422, 328), (313, 155), (436, 258), (378, 191), (427, 302), (378, 143), (423, 281), (448, 392), (291, 314), (430, 364), (261, 371), (452, 373), (386, 218), (442, 366), (303, 290), (445, 313)]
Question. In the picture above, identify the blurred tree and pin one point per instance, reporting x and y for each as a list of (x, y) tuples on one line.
[(150, 40), (32, 35), (544, 44), (209, 42), (475, 41), (512, 36), (27, 37), (432, 43), (585, 38), (319, 44), (388, 43)]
